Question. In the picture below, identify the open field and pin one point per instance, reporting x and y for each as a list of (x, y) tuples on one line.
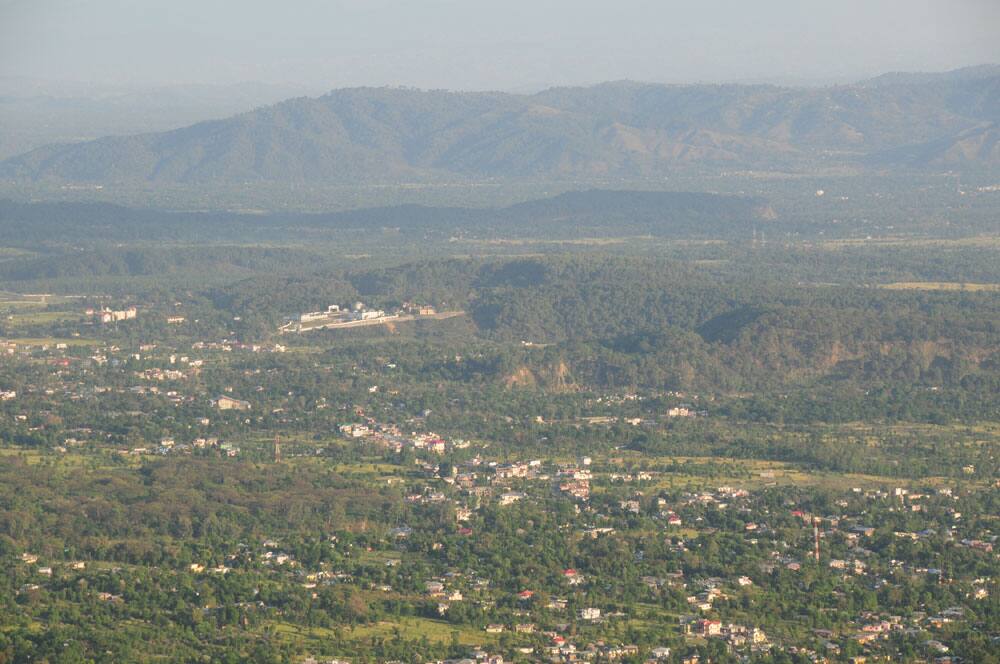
[(408, 628), (44, 318), (50, 341), (7, 253), (13, 305), (942, 286), (416, 628)]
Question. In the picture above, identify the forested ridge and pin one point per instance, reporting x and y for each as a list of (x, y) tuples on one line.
[(620, 129), (670, 325)]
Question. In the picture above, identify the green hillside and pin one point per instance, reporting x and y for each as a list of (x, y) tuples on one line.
[(621, 129)]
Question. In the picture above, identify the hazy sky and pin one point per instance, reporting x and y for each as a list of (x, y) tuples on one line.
[(504, 44)]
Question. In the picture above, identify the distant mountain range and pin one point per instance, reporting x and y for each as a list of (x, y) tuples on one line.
[(626, 129)]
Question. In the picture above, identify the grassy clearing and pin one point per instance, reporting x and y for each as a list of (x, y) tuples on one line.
[(15, 252), (72, 460), (31, 457), (8, 298), (15, 305), (44, 318), (409, 628), (51, 341), (416, 628)]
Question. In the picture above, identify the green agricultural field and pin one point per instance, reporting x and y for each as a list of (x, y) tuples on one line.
[(51, 341), (43, 318)]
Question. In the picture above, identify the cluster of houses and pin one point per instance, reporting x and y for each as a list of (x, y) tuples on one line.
[(562, 651), (225, 402), (680, 410), (466, 485), (336, 316), (169, 446), (737, 636), (511, 482), (393, 438), (106, 315), (229, 346), (161, 375)]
